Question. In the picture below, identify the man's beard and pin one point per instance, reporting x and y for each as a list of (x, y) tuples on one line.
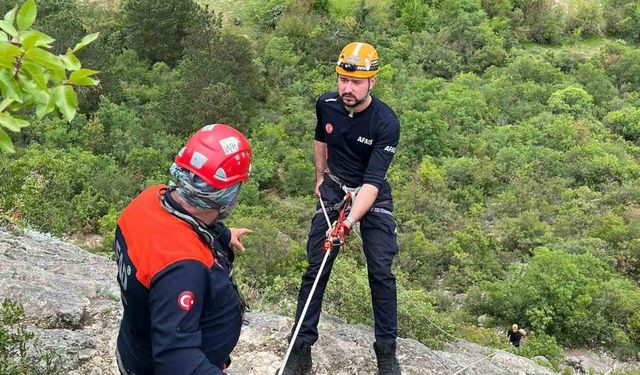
[(351, 97)]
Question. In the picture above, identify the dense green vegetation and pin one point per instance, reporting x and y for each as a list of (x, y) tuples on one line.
[(517, 178)]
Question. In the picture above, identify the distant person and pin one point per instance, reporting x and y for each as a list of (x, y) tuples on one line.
[(182, 310), (355, 141), (515, 335)]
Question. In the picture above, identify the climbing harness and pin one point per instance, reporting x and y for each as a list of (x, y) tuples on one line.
[(337, 233)]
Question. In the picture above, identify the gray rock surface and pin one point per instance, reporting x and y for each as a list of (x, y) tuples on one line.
[(583, 361), (71, 301)]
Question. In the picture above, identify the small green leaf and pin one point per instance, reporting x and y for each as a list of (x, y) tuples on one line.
[(9, 122), (86, 40), (52, 104), (86, 81), (5, 142), (36, 74), (81, 77), (8, 53), (34, 38), (21, 122), (81, 73), (8, 28), (70, 61), (46, 59), (4, 37), (5, 103), (10, 17), (39, 96), (66, 101), (9, 86), (43, 108), (27, 14)]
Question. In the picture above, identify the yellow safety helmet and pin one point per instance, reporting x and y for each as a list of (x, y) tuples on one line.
[(359, 60)]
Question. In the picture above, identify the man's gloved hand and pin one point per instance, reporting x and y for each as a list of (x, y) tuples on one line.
[(338, 233), (342, 229)]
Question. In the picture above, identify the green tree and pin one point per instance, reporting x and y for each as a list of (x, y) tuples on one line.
[(156, 29), (544, 20), (623, 18), (573, 100), (625, 122)]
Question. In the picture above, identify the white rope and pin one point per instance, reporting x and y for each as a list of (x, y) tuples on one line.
[(304, 312), (308, 302), (476, 362)]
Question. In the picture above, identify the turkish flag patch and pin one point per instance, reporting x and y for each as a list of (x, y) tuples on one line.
[(186, 300), (329, 128)]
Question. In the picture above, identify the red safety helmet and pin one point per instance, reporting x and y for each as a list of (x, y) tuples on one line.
[(219, 154)]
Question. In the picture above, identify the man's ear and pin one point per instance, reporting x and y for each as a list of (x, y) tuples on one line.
[(372, 82)]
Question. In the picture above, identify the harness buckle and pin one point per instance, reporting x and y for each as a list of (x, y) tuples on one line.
[(348, 190)]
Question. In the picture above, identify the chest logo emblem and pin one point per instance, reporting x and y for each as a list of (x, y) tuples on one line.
[(186, 300), (328, 128)]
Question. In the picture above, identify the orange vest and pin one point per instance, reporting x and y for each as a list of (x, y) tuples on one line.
[(156, 239)]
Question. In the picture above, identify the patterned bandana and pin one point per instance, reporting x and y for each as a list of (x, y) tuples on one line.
[(199, 194)]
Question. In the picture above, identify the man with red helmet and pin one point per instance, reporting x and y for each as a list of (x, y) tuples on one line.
[(182, 309), (355, 140)]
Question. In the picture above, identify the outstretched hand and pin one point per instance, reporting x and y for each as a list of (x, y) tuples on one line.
[(236, 238)]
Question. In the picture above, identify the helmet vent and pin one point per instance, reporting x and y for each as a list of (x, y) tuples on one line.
[(220, 174), (197, 160)]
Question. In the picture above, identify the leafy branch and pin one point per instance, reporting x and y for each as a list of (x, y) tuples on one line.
[(31, 77)]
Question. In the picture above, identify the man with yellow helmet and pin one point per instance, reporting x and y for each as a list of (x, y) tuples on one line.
[(515, 335), (355, 140)]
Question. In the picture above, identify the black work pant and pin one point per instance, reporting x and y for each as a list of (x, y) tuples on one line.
[(378, 230)]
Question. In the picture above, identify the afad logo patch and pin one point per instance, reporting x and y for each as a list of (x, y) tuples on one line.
[(328, 128), (186, 300)]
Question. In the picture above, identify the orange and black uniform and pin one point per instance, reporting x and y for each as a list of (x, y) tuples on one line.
[(181, 311)]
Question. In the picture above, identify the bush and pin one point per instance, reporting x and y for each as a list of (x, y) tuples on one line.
[(485, 336), (623, 18), (624, 68), (625, 122), (544, 20), (573, 100), (595, 81), (19, 350), (539, 344), (62, 191), (585, 18)]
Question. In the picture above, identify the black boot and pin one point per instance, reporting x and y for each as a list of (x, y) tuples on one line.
[(386, 356), (299, 362)]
